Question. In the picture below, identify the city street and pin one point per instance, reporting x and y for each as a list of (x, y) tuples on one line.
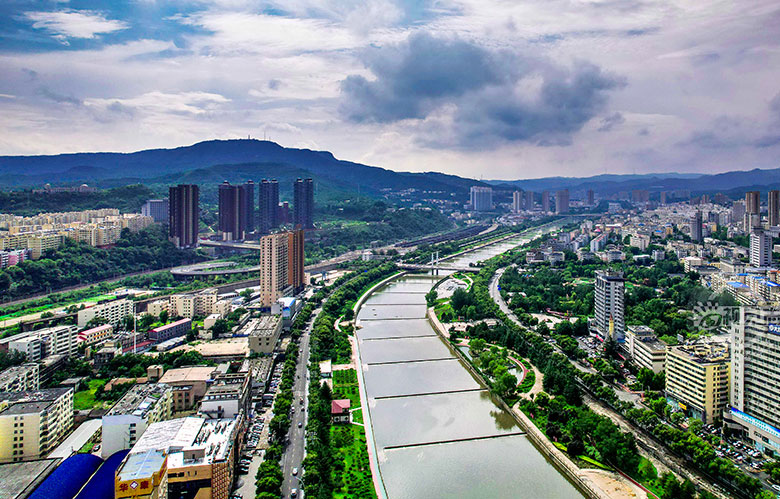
[(296, 447)]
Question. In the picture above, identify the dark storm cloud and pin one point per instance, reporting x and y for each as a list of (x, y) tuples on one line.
[(497, 96)]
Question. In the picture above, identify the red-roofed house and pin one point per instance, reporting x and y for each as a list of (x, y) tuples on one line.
[(339, 411)]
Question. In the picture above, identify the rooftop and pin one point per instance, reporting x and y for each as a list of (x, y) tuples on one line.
[(139, 399), (19, 479), (186, 442), (265, 326), (13, 372), (339, 406), (187, 374), (700, 353), (29, 401)]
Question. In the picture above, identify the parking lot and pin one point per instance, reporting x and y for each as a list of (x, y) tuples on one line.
[(255, 443)]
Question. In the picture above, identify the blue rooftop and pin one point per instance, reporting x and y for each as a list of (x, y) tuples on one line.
[(69, 477), (737, 284), (101, 485)]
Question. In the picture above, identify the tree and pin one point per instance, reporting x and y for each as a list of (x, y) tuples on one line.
[(220, 328), (246, 295), (575, 448), (164, 316), (96, 321), (431, 297)]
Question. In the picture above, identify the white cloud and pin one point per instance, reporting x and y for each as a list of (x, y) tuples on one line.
[(75, 23)]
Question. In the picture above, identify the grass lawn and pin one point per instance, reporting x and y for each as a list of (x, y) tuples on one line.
[(85, 399), (352, 471)]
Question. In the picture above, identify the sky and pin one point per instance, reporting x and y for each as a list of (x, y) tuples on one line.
[(481, 88)]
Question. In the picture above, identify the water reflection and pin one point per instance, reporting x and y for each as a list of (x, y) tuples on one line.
[(420, 401)]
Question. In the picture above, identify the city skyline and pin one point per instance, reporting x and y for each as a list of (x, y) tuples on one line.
[(562, 88)]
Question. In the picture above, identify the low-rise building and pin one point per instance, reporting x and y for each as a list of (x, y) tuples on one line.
[(645, 349), (95, 335), (264, 333), (698, 379), (32, 423), (228, 396), (339, 411), (185, 457), (141, 406), (189, 385), (182, 327), (21, 378)]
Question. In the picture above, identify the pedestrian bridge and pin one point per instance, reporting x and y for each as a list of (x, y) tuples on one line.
[(441, 266)]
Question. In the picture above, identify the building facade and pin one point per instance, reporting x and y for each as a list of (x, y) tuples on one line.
[(481, 198), (184, 215), (111, 311), (269, 206), (610, 304), (698, 379), (562, 201), (295, 259), (303, 203), (273, 268), (33, 423), (21, 378), (645, 349), (141, 406), (157, 209), (755, 380)]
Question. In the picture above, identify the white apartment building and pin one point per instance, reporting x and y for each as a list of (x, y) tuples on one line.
[(755, 380), (113, 312), (141, 406), (21, 378), (32, 423), (645, 349), (610, 304), (760, 248), (37, 345)]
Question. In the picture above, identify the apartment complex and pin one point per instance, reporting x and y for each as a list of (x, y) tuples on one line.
[(48, 230), (183, 215), (303, 203), (202, 303), (233, 213), (698, 379), (269, 206), (37, 345), (562, 201), (21, 378), (755, 380), (32, 423), (141, 406), (760, 248), (111, 311), (481, 198), (610, 304), (157, 209), (264, 333)]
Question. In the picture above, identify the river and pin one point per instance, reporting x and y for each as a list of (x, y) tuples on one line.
[(436, 431)]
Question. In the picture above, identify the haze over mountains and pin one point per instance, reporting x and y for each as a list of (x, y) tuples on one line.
[(235, 160)]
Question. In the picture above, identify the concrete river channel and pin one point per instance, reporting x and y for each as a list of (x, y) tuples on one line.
[(436, 431)]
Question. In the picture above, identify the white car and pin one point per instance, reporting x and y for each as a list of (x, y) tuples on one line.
[(295, 471)]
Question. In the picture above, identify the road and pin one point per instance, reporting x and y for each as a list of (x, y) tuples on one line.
[(77, 439), (296, 437)]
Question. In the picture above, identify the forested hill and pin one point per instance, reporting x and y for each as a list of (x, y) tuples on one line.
[(171, 164)]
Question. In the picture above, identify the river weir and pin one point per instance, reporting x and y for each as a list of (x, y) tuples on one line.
[(436, 431)]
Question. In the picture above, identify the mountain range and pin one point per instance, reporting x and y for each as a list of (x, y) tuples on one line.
[(213, 161)]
